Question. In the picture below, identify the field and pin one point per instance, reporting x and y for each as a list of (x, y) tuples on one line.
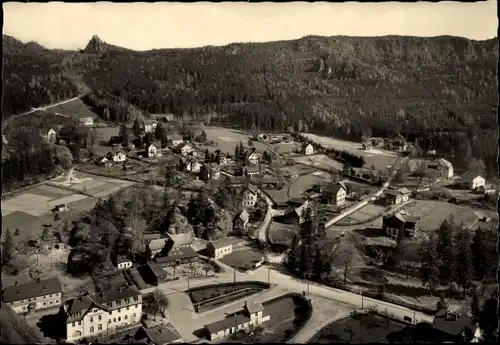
[(380, 158), (279, 195), (433, 213), (31, 208), (242, 259), (282, 234), (227, 139), (364, 328), (362, 215), (319, 161), (285, 148), (302, 183), (74, 108)]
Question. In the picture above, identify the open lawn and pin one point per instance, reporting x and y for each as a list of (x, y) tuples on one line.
[(364, 214), (108, 132), (301, 184), (278, 196), (284, 148), (282, 234), (362, 328), (319, 161), (378, 157), (243, 259), (207, 293), (75, 108), (227, 139), (433, 213)]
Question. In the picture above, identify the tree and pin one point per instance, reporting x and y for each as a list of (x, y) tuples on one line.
[(124, 134), (138, 126), (155, 302), (475, 307), (431, 263), (161, 134), (64, 157), (406, 255), (350, 331), (208, 156), (45, 234), (344, 257), (442, 303), (484, 256), (8, 248), (464, 260), (446, 249), (476, 166), (488, 321)]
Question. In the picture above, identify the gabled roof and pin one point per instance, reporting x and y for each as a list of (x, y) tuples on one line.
[(244, 216), (157, 270), (224, 242), (254, 307), (161, 335), (32, 289), (304, 145), (469, 176), (335, 188), (445, 163), (252, 189), (181, 239), (228, 322), (157, 244), (453, 324), (405, 218), (12, 280), (178, 254), (183, 145)]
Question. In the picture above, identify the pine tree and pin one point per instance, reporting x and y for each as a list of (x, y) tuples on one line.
[(430, 263), (445, 248), (293, 258), (307, 232), (483, 255), (8, 248), (207, 156), (124, 134), (464, 260), (137, 126), (475, 307)]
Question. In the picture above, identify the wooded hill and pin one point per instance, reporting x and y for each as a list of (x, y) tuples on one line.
[(442, 90)]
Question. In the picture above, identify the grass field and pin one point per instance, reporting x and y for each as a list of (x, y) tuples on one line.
[(364, 214), (380, 158), (108, 132), (285, 148), (365, 328), (301, 184), (242, 259), (319, 161), (279, 195), (282, 234), (433, 213), (74, 108), (227, 139)]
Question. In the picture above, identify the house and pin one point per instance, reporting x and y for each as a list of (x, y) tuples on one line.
[(336, 194), (252, 171), (106, 162), (150, 126), (249, 197), (307, 149), (156, 246), (442, 168), (396, 197), (86, 121), (158, 335), (178, 256), (184, 149), (178, 240), (238, 181), (486, 189), (189, 164), (366, 146), (176, 140), (102, 313), (254, 157), (220, 248), (60, 208), (251, 316), (220, 158), (14, 280), (116, 156), (34, 295), (394, 224), (241, 220), (295, 214), (122, 263), (453, 327), (153, 273), (213, 171), (472, 181), (151, 151), (50, 136)]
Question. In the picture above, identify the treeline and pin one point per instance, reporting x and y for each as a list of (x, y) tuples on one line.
[(32, 77), (342, 156), (108, 107)]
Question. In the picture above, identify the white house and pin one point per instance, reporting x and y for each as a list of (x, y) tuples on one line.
[(51, 135), (251, 316), (119, 157), (254, 157), (220, 248), (193, 166), (473, 181), (442, 167), (184, 149), (152, 151), (307, 149), (336, 194), (35, 295), (249, 197), (122, 263), (86, 121), (101, 313), (150, 127), (176, 140)]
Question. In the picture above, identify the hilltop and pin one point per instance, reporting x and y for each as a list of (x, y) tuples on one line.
[(347, 86)]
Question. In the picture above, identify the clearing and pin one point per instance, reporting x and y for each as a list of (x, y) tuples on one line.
[(364, 214), (74, 108), (320, 161), (303, 183), (360, 328), (227, 139), (380, 158)]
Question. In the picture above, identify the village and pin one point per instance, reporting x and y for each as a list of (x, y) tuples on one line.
[(374, 193)]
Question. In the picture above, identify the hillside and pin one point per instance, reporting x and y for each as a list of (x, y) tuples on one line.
[(14, 330), (438, 89)]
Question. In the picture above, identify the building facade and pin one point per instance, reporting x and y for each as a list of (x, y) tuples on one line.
[(92, 315), (32, 296), (219, 248), (400, 225), (249, 197), (307, 149)]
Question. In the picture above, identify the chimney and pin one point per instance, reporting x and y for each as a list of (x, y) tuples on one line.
[(38, 280)]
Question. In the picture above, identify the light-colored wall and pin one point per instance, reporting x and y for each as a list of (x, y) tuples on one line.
[(42, 302), (132, 315)]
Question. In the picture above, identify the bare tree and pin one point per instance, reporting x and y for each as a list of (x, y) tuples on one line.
[(155, 302), (344, 257), (388, 316), (349, 330)]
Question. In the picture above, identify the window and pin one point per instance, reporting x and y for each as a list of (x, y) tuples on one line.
[(50, 295), (119, 318), (126, 317), (109, 321), (136, 306), (99, 327), (57, 301), (50, 302), (79, 323), (73, 324), (114, 319), (136, 298), (110, 312), (127, 300), (44, 297), (128, 308), (119, 310), (91, 329), (134, 315), (44, 304), (91, 319), (99, 318)]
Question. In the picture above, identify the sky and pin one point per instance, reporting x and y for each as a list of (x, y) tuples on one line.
[(143, 26)]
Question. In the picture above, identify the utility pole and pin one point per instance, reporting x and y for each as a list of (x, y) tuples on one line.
[(362, 299), (269, 275)]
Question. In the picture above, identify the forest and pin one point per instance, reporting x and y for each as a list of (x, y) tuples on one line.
[(437, 90)]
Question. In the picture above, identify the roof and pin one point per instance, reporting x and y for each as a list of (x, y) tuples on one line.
[(176, 137), (31, 290), (105, 300), (453, 324), (228, 322), (481, 215), (244, 216), (150, 237), (335, 188), (156, 269), (254, 307), (469, 176), (161, 335), (224, 242), (238, 180), (177, 254), (445, 163), (403, 218), (304, 145), (181, 239), (157, 244), (11, 280), (122, 259), (251, 189), (253, 168), (183, 145), (404, 190), (296, 201)]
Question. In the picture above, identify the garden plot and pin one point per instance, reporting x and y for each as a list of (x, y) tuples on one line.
[(33, 204)]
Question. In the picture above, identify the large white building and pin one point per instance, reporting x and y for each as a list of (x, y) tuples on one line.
[(35, 295), (103, 313), (249, 197)]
